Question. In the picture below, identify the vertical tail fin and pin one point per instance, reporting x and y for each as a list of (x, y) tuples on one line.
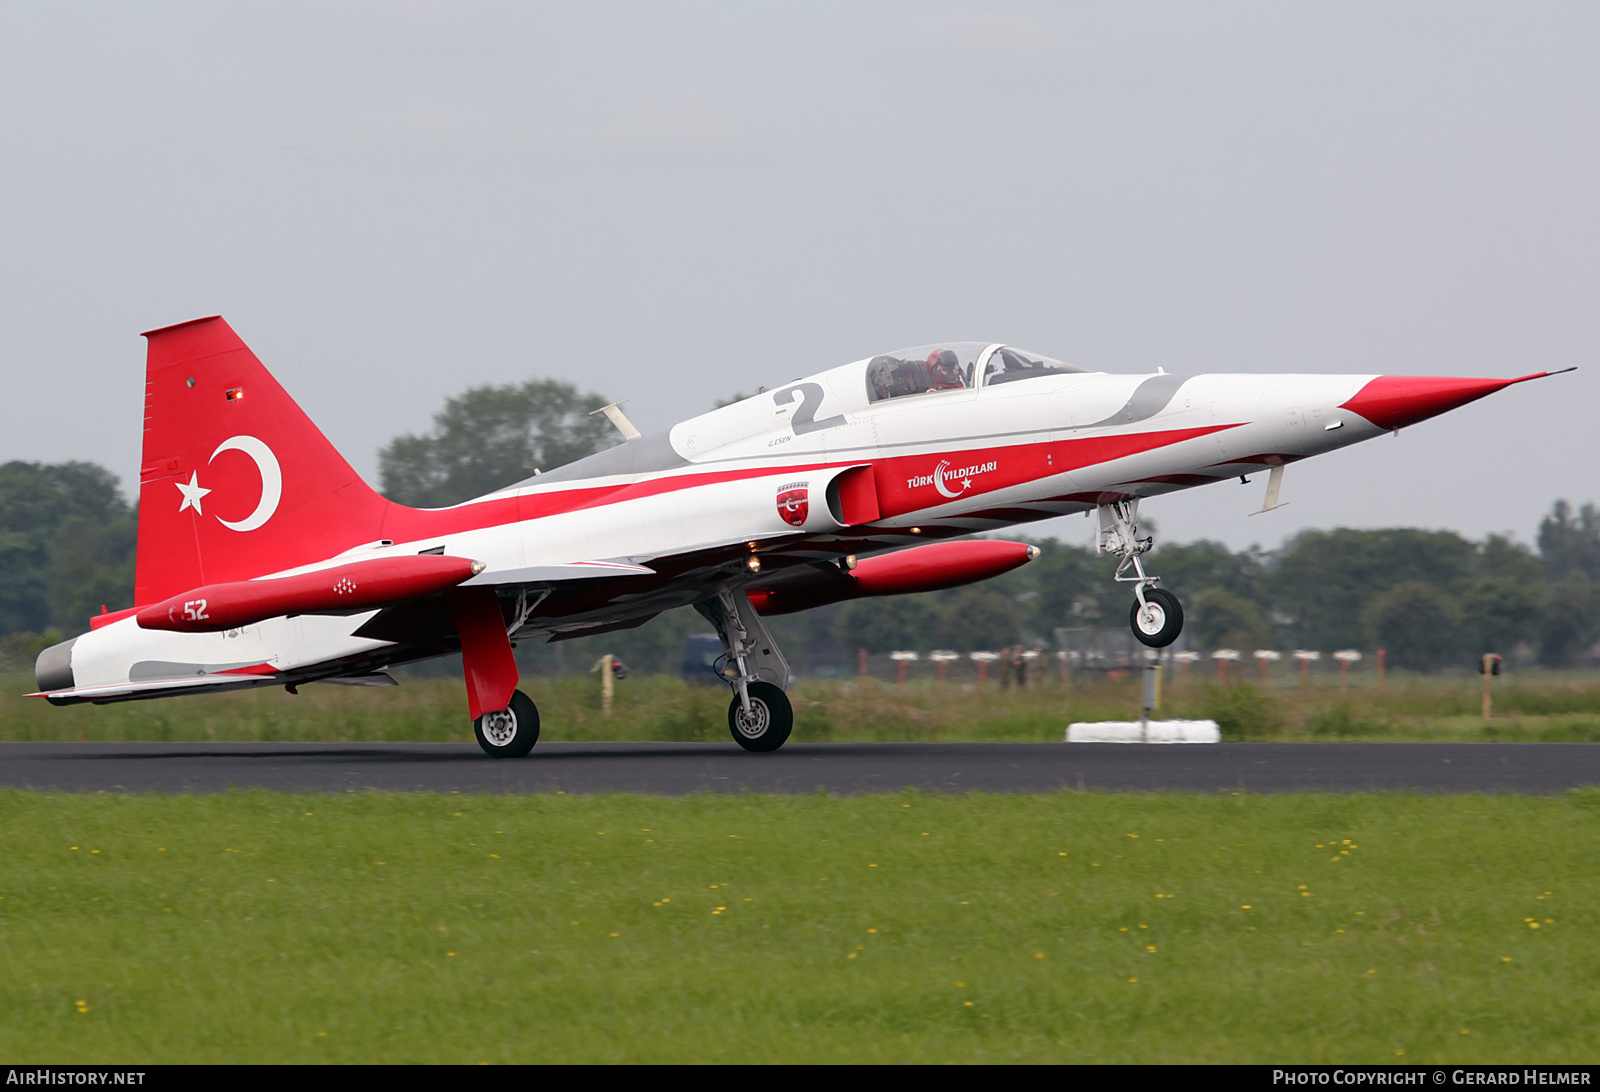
[(236, 481)]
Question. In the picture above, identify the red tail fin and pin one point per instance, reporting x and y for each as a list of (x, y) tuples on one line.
[(236, 480)]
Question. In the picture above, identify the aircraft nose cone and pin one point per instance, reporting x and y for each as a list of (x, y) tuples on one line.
[(1395, 401)]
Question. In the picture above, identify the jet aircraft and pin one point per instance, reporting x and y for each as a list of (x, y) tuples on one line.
[(264, 560)]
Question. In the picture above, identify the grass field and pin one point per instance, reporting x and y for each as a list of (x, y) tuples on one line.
[(906, 928), (1533, 708)]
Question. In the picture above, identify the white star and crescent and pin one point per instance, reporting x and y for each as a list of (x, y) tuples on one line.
[(271, 483), (192, 494)]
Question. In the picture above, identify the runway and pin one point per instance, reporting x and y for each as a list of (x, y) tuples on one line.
[(678, 768)]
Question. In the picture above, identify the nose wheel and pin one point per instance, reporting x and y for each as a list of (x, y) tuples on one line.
[(1157, 617), (1158, 620)]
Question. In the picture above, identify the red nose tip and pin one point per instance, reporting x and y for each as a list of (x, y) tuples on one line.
[(1395, 401)]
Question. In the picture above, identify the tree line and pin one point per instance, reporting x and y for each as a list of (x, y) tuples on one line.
[(1431, 598)]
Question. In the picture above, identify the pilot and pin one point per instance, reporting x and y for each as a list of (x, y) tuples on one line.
[(944, 371)]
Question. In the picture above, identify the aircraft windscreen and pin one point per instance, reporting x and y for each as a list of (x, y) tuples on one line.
[(1008, 365), (925, 369)]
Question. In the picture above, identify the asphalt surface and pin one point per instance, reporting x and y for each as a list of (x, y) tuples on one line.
[(676, 768)]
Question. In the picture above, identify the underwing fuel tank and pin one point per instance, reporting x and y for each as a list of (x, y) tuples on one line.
[(919, 569), (342, 589)]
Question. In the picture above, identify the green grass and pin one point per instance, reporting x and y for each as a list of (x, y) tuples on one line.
[(259, 927), (1533, 708)]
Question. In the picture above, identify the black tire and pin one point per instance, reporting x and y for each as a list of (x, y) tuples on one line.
[(1165, 620), (511, 732), (773, 718)]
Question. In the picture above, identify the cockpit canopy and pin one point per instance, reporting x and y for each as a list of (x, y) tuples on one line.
[(955, 365)]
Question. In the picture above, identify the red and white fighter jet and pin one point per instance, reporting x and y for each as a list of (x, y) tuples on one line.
[(264, 560)]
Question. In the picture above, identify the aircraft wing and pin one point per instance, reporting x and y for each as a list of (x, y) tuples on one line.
[(556, 574), (152, 688)]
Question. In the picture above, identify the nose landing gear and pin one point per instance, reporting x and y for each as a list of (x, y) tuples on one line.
[(1157, 617)]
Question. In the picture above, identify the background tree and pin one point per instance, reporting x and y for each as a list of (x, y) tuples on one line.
[(1569, 547), (1217, 618), (1325, 580), (979, 619), (66, 546), (1195, 567), (1570, 542), (487, 438), (1504, 601), (1420, 625), (889, 623), (1503, 612), (1569, 623), (1066, 585)]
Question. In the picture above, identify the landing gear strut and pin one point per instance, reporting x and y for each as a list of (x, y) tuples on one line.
[(760, 717), (504, 720), (1157, 617)]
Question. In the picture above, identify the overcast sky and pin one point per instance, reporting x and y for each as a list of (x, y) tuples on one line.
[(671, 202)]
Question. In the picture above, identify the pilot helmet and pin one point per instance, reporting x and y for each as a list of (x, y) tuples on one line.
[(944, 369)]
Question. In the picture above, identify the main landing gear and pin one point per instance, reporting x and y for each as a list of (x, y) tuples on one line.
[(1157, 617), (504, 719), (760, 717), (510, 732)]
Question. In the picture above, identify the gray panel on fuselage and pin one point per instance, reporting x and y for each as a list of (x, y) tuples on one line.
[(647, 454)]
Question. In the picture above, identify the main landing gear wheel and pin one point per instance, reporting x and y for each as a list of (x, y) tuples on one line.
[(509, 732), (769, 722), (1161, 620)]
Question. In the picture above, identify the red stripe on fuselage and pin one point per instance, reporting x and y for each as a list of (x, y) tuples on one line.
[(910, 483), (905, 482)]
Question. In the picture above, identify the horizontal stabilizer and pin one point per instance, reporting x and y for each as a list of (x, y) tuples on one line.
[(115, 691)]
